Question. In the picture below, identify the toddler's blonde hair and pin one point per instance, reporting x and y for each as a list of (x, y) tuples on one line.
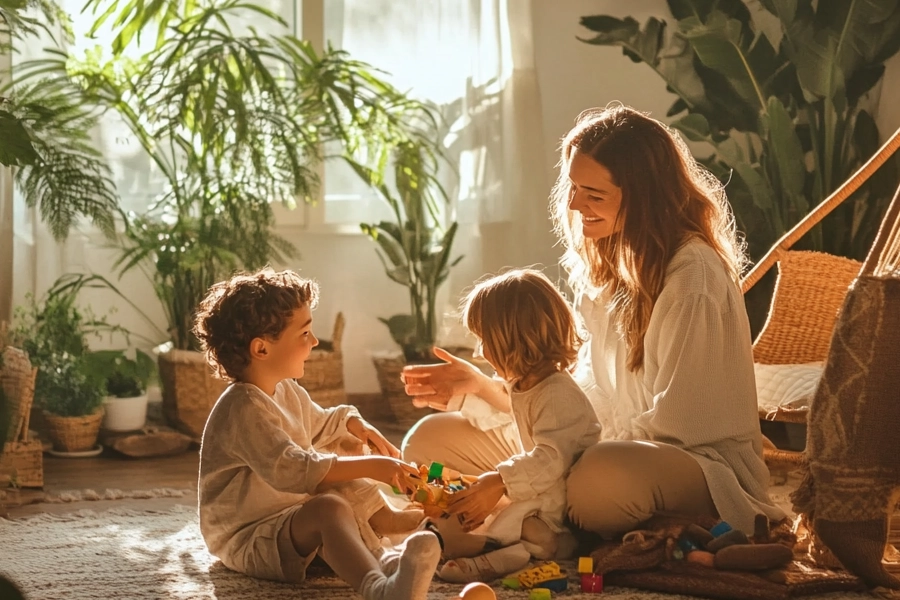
[(523, 321)]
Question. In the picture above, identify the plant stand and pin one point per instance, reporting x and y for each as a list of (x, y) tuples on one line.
[(189, 390)]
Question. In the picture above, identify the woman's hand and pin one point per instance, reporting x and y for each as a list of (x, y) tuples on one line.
[(371, 437), (433, 385), (473, 505)]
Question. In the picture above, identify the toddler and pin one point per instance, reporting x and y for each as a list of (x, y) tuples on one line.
[(272, 491), (526, 331)]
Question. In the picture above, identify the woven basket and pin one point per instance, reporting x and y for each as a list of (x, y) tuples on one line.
[(323, 373), (17, 378), (74, 434), (22, 463), (189, 390), (388, 368), (22, 460)]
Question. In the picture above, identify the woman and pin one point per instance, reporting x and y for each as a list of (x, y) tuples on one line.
[(654, 261)]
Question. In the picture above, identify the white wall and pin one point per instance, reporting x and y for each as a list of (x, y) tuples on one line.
[(572, 76)]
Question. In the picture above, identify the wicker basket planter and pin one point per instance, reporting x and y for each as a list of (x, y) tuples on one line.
[(74, 434), (323, 374), (189, 390), (388, 367)]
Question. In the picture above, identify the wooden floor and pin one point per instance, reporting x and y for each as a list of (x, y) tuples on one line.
[(113, 471)]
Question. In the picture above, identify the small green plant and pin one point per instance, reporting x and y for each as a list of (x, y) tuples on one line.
[(54, 332), (124, 377)]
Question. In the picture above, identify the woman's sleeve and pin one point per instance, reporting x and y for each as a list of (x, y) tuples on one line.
[(530, 474), (704, 389), (259, 440)]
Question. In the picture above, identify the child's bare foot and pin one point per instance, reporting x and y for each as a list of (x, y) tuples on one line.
[(486, 567), (415, 570), (387, 521)]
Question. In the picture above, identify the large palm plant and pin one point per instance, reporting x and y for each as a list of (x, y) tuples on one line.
[(45, 133), (233, 122)]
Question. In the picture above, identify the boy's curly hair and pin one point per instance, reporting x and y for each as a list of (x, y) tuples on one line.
[(248, 306)]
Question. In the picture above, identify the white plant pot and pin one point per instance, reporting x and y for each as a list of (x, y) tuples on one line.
[(125, 414)]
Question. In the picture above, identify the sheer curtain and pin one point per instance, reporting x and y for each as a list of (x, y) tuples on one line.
[(474, 59)]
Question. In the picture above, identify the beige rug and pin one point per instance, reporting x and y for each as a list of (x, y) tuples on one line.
[(136, 555)]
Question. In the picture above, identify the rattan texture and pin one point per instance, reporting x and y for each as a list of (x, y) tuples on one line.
[(388, 369), (324, 369), (189, 388), (74, 434), (22, 459), (808, 295)]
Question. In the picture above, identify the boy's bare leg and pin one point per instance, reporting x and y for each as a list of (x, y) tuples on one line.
[(327, 523)]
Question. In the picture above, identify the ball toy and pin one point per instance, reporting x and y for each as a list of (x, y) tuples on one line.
[(477, 591)]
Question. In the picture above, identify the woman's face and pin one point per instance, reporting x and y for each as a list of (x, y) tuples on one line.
[(595, 196)]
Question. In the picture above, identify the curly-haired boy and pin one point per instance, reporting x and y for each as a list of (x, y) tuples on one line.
[(271, 494)]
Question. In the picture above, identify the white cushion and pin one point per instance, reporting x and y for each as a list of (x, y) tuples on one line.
[(786, 386)]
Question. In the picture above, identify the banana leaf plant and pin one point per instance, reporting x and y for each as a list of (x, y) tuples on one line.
[(415, 247), (784, 111), (233, 121)]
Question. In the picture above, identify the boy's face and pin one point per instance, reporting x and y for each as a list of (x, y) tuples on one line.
[(286, 355)]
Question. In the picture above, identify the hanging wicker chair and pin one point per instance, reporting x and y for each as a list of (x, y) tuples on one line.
[(808, 295)]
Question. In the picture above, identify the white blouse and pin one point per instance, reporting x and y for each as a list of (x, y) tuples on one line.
[(696, 389)]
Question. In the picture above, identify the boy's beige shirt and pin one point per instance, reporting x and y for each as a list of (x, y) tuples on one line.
[(263, 455)]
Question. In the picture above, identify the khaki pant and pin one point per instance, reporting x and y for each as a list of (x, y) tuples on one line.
[(613, 487)]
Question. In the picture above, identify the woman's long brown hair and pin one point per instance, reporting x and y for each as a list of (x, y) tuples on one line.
[(667, 199)]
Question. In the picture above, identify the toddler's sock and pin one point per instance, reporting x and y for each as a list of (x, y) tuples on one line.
[(486, 567), (415, 569)]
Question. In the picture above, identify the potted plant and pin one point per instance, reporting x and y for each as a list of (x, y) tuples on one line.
[(126, 380), (415, 249), (53, 332), (232, 122)]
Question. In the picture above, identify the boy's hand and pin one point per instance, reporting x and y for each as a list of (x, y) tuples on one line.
[(392, 471), (370, 436), (474, 504)]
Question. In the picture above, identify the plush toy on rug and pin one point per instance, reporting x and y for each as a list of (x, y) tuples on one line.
[(704, 542)]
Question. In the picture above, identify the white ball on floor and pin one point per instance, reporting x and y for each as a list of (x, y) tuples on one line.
[(477, 591)]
